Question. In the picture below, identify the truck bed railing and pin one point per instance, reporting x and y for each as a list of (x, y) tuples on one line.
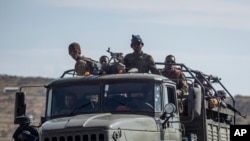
[(192, 74), (69, 72)]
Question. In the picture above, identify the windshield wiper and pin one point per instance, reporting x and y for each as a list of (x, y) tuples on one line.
[(78, 108)]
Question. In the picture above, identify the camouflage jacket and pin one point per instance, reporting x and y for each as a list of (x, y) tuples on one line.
[(113, 68), (143, 62), (84, 65), (178, 77), (81, 67)]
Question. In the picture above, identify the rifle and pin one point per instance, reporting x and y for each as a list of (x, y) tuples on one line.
[(235, 110), (116, 57), (229, 106), (224, 104)]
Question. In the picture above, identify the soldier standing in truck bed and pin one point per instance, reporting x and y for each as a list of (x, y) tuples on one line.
[(105, 66), (139, 60), (175, 74), (82, 66)]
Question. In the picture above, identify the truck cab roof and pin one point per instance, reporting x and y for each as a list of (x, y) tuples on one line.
[(111, 78)]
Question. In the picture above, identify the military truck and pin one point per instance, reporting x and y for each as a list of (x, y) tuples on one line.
[(127, 107)]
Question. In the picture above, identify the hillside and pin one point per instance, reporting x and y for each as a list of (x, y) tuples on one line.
[(242, 103), (35, 99)]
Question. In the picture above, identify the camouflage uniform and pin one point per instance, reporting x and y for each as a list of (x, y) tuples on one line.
[(110, 68), (142, 61), (204, 83), (83, 64), (176, 75), (212, 101), (179, 78)]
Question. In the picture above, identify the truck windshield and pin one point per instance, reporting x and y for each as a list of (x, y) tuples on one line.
[(134, 97), (72, 100), (115, 97)]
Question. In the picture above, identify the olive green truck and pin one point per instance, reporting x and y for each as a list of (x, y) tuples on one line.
[(126, 107)]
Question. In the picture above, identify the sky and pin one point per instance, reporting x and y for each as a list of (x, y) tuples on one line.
[(211, 36)]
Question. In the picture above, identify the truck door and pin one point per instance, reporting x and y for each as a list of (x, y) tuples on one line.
[(173, 127)]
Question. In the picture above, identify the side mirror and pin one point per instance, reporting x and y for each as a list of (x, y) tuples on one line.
[(169, 110), (20, 110), (20, 105)]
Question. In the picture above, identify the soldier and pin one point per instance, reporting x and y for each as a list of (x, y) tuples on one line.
[(105, 66), (208, 89), (212, 101), (81, 66), (176, 75), (69, 104), (104, 59), (139, 60), (108, 67)]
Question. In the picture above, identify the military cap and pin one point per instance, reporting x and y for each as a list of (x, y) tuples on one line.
[(136, 38), (170, 57)]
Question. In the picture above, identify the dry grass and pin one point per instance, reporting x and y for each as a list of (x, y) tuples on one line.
[(35, 101)]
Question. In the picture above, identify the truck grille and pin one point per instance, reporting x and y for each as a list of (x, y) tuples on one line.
[(75, 137)]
